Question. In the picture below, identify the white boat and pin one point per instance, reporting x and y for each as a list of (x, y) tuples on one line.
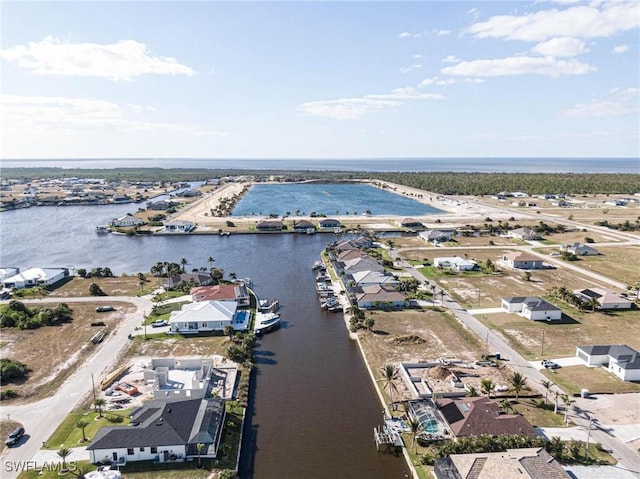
[(266, 322), (102, 230), (318, 265), (269, 305)]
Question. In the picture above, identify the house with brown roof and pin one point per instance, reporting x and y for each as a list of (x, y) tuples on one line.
[(524, 234), (477, 416), (526, 463), (410, 223), (607, 299), (270, 225), (303, 226), (378, 295), (351, 254), (521, 260), (329, 223), (221, 292)]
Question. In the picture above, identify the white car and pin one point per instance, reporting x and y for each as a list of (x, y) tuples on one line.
[(159, 323)]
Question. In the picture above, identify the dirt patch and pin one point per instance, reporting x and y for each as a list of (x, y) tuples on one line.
[(438, 372), (116, 286)]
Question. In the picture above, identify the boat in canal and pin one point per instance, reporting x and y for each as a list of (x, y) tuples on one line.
[(266, 322)]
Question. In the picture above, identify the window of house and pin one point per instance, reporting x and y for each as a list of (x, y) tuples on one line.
[(142, 449), (204, 325), (154, 450), (130, 451)]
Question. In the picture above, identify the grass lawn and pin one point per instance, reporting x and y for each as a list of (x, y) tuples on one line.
[(116, 286), (71, 436), (539, 416), (620, 263), (562, 337), (573, 379), (231, 435), (50, 473), (178, 470)]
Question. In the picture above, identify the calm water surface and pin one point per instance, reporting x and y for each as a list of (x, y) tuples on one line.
[(313, 407), (327, 199)]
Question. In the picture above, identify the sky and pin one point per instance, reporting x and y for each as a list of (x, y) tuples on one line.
[(341, 79)]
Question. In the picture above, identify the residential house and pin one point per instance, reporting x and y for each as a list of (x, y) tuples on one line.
[(270, 225), (579, 249), (524, 234), (455, 263), (127, 220), (368, 278), (162, 431), (222, 292), (478, 416), (436, 236), (532, 308), (620, 359), (329, 224), (303, 226), (375, 296), (7, 273), (188, 193), (354, 265), (36, 277), (162, 205), (411, 223), (526, 463), (361, 242), (351, 254), (607, 299), (178, 226), (196, 279), (203, 316), (522, 260)]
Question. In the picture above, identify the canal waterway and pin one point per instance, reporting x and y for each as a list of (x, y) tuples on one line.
[(313, 407)]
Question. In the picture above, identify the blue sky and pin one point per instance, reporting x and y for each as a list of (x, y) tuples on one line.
[(319, 79)]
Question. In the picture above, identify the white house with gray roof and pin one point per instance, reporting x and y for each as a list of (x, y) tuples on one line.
[(204, 316), (368, 278), (532, 308), (620, 359), (455, 263), (163, 431), (35, 277)]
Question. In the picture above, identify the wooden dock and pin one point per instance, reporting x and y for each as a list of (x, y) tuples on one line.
[(390, 439)]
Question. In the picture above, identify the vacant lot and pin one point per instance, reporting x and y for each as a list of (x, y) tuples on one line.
[(621, 264), (53, 352), (561, 338), (116, 286), (573, 379), (163, 346)]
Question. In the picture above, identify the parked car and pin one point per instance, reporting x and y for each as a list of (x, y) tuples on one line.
[(550, 364), (105, 309), (14, 437), (159, 323)]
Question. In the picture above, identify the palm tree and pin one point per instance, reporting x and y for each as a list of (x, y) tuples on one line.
[(64, 452), (99, 403), (184, 262), (506, 406), (518, 382), (210, 260), (567, 402), (487, 386), (556, 395), (472, 391), (81, 424), (415, 428), (228, 331), (547, 387), (200, 447), (389, 376)]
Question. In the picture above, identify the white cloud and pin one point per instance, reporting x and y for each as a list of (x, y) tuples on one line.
[(442, 33), (355, 108), (620, 49), (560, 47), (584, 21), (450, 59), (40, 116), (123, 60), (618, 102), (417, 56), (415, 66), (522, 65), (437, 81), (474, 80), (412, 35)]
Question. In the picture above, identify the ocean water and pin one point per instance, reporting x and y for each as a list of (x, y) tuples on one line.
[(472, 165), (328, 199)]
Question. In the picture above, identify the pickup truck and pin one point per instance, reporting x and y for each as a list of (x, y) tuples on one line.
[(549, 364)]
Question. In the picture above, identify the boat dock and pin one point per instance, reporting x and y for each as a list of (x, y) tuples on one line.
[(388, 438)]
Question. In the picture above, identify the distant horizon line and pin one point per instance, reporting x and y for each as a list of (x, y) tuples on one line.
[(386, 158)]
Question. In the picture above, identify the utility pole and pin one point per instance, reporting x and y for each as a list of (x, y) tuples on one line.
[(93, 389), (542, 345), (588, 438), (486, 344)]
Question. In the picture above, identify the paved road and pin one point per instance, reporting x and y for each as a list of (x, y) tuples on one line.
[(41, 418), (627, 457)]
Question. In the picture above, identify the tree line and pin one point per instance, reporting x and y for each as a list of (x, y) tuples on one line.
[(17, 315)]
